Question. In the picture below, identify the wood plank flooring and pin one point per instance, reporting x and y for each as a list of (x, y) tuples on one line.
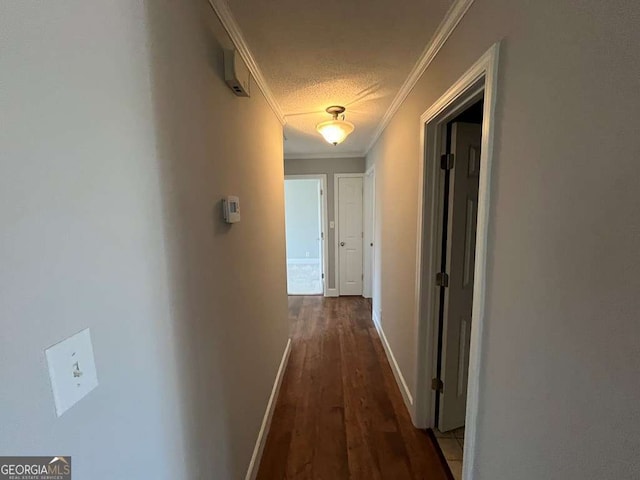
[(340, 414)]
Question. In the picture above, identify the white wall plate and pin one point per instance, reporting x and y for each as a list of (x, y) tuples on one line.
[(72, 370)]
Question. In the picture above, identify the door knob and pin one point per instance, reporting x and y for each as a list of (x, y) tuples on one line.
[(342, 244)]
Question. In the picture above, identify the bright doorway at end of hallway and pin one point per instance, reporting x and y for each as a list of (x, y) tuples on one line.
[(305, 221)]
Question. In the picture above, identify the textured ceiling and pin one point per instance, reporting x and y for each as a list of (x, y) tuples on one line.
[(354, 53)]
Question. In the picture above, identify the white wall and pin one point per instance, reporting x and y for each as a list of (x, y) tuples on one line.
[(118, 140), (329, 167), (302, 218), (559, 380)]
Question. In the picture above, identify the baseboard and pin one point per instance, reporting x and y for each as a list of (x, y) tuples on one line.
[(332, 292), (402, 385), (254, 464)]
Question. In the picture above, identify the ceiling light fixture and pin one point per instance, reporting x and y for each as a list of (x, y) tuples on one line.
[(335, 131)]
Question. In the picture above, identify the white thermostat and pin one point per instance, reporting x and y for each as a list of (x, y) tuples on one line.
[(231, 209)]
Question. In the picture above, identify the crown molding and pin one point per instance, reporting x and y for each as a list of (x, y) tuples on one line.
[(451, 19), (314, 156), (222, 10), (444, 30)]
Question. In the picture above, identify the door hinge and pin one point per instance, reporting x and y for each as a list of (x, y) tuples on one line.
[(321, 235), (323, 276), (442, 279), (437, 385), (321, 192), (446, 161)]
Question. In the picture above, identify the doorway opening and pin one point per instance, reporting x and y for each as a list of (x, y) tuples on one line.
[(454, 185), (305, 224), (461, 169)]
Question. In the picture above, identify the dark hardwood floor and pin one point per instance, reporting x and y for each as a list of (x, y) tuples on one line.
[(340, 414)]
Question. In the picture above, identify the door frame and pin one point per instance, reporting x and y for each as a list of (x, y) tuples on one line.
[(369, 221), (324, 223), (336, 204), (479, 81)]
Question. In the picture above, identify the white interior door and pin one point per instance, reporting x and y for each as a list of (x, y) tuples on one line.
[(367, 287), (461, 246), (350, 235)]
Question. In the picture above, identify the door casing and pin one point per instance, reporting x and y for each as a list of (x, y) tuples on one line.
[(369, 204), (479, 81)]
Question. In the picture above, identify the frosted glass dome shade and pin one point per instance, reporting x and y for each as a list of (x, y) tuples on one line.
[(335, 131)]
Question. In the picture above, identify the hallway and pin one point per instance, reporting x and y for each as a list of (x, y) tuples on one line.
[(340, 414)]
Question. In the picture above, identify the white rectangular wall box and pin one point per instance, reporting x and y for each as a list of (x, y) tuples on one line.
[(72, 370), (236, 74)]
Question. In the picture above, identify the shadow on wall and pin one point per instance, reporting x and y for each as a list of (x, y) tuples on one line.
[(228, 282)]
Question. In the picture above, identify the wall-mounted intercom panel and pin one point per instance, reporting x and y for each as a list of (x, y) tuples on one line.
[(231, 209)]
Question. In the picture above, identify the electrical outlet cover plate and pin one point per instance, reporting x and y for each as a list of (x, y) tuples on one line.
[(72, 370)]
